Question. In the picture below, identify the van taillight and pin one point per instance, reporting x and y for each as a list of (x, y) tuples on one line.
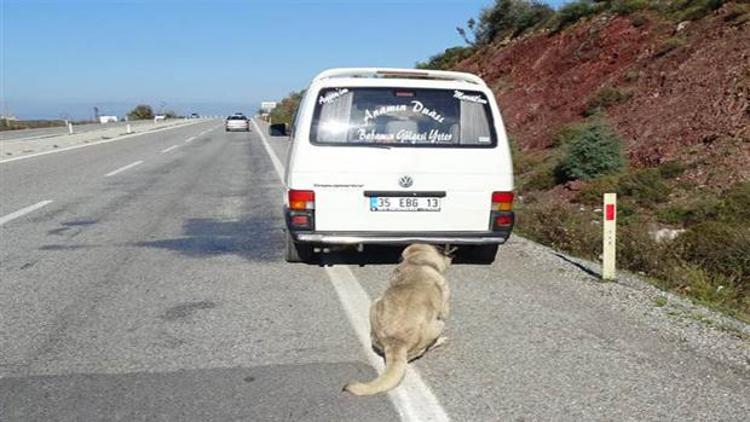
[(301, 199), (502, 201)]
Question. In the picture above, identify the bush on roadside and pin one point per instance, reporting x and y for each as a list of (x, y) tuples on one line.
[(141, 112), (719, 248), (646, 187), (555, 222), (626, 7), (287, 108), (572, 12), (605, 98), (508, 18), (447, 59), (593, 149)]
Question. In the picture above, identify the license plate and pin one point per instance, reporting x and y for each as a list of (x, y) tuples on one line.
[(392, 203)]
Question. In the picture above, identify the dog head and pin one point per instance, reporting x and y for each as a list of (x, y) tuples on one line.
[(424, 254)]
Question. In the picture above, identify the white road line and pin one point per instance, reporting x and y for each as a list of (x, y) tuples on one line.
[(169, 149), (23, 211), (121, 169), (105, 141), (413, 399), (276, 163), (188, 140)]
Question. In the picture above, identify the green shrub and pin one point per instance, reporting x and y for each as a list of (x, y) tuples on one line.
[(626, 7), (447, 59), (287, 108), (694, 9), (646, 187), (671, 43), (604, 98), (719, 248), (508, 18), (638, 251), (735, 205), (593, 191), (671, 169), (141, 112), (572, 13), (561, 225), (593, 149)]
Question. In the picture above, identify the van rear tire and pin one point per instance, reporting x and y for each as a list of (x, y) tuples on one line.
[(480, 254), (297, 252)]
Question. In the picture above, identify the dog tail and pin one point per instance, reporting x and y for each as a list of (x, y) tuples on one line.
[(395, 368)]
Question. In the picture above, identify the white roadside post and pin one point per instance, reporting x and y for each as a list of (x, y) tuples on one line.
[(128, 129), (610, 232), (70, 128)]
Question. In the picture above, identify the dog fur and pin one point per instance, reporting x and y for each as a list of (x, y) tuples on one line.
[(409, 318)]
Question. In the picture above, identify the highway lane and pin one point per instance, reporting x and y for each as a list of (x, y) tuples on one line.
[(160, 292)]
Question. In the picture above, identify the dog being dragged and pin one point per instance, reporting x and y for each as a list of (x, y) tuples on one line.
[(409, 318)]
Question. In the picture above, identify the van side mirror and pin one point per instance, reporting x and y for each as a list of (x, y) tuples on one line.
[(278, 129)]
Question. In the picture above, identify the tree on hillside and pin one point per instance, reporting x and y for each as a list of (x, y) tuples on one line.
[(287, 108), (506, 18), (141, 112)]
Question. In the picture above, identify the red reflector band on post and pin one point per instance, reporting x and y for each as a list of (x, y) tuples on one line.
[(609, 212), (301, 199)]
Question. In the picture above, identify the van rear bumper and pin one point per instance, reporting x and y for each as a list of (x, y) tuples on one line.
[(401, 238)]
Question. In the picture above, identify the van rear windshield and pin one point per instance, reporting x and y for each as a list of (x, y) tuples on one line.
[(402, 117)]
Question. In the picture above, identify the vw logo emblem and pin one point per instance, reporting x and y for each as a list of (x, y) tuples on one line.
[(405, 181)]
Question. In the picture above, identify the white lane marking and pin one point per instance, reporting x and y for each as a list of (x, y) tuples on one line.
[(123, 168), (24, 211), (413, 399), (188, 140), (169, 149), (104, 141), (276, 163)]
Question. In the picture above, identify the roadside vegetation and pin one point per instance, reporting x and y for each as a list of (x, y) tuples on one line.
[(691, 241), (685, 237), (141, 112), (29, 124), (286, 109), (509, 19)]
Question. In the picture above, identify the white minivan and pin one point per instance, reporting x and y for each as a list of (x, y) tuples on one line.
[(397, 156)]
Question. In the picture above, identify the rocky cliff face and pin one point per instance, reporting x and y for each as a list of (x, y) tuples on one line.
[(674, 91)]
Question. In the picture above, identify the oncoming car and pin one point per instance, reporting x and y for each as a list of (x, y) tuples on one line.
[(237, 122), (398, 156)]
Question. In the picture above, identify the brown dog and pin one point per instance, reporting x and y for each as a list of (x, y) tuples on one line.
[(409, 318)]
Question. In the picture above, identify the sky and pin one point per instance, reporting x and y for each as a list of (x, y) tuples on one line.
[(61, 58)]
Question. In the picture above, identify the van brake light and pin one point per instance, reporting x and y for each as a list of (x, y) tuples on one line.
[(301, 199), (502, 201)]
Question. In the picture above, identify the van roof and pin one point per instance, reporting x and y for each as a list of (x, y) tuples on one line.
[(373, 72)]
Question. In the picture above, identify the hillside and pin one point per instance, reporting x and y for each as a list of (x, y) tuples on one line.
[(680, 91), (647, 99)]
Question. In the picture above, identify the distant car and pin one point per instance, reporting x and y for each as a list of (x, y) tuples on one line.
[(237, 123), (159, 117), (194, 116)]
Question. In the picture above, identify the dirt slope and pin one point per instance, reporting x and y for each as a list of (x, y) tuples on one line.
[(686, 87)]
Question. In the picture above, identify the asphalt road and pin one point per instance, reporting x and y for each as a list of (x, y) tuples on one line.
[(153, 287)]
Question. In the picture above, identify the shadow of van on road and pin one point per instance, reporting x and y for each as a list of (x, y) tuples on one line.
[(252, 238)]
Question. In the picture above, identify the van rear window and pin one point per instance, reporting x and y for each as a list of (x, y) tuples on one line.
[(402, 117)]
